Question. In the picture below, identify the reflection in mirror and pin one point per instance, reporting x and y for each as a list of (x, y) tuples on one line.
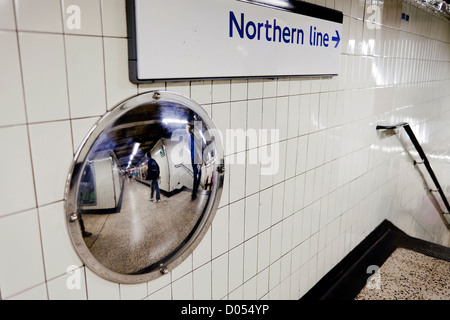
[(144, 187)]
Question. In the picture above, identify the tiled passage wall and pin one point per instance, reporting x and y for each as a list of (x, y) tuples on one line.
[(274, 236)]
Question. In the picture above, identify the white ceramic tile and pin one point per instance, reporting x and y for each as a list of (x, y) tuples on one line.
[(50, 164), (289, 196), (202, 252), (269, 88), (44, 76), (146, 87), (277, 203), (20, 242), (323, 110), (304, 115), (265, 209), (114, 18), (254, 122), (238, 90), (293, 116), (36, 293), (162, 294), (285, 273), (304, 272), (305, 85), (315, 84), (43, 16), (13, 108), (7, 18), (281, 117), (283, 87), (262, 284), (299, 192), (221, 90), (315, 216), (291, 158), (268, 118), (17, 185), (180, 87), (235, 267), (295, 285), (57, 246), (158, 283), (82, 17), (306, 222), (85, 74), (237, 173), (304, 252), (238, 124), (255, 89), (286, 240), (80, 128), (295, 258), (313, 143), (314, 113), (236, 223), (221, 116), (274, 275), (219, 280), (100, 289), (182, 269), (118, 87), (263, 250), (133, 291), (236, 294), (269, 156), (252, 172), (70, 286), (182, 288), (201, 91), (294, 86), (302, 152), (275, 242), (224, 199), (220, 232), (250, 258), (250, 290), (317, 184), (297, 227), (202, 282), (251, 216)]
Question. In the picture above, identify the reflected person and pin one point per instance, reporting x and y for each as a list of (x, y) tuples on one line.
[(196, 160), (153, 175)]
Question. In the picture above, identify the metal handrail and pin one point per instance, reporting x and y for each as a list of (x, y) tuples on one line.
[(424, 158)]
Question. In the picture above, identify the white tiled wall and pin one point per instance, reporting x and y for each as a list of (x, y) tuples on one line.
[(273, 236)]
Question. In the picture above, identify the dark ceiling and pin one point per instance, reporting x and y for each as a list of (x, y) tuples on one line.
[(145, 125)]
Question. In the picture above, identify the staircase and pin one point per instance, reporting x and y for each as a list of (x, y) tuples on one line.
[(350, 276)]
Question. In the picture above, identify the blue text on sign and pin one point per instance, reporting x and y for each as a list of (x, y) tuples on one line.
[(273, 32)]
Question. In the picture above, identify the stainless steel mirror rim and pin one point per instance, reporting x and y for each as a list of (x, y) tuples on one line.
[(187, 247)]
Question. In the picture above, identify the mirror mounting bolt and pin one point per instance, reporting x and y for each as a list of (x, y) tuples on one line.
[(73, 217), (156, 95), (163, 269), (221, 168)]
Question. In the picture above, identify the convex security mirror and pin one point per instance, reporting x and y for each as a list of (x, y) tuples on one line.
[(144, 187)]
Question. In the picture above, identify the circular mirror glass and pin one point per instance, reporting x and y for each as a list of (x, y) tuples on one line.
[(144, 187)]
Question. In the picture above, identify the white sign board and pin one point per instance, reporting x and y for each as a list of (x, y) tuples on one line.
[(202, 39)]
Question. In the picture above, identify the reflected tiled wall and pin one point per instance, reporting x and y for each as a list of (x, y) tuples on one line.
[(273, 237)]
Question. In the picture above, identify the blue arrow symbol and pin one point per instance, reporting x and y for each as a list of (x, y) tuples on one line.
[(337, 38)]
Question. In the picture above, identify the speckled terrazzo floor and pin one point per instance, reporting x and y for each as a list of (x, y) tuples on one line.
[(408, 275), (142, 232)]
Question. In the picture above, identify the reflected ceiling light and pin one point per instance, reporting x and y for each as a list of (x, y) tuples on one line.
[(181, 121), (135, 148)]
